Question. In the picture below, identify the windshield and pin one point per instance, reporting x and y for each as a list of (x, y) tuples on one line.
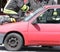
[(32, 14)]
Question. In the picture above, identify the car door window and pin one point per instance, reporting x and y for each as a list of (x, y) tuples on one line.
[(50, 16)]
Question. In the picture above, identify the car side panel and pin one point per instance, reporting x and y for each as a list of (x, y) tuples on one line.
[(19, 27), (45, 34)]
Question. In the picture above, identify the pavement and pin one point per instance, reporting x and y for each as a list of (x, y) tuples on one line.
[(33, 49)]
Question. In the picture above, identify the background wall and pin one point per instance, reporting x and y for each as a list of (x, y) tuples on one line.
[(56, 1)]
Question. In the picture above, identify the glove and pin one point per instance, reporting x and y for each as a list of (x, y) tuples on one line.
[(6, 19), (13, 20), (25, 8)]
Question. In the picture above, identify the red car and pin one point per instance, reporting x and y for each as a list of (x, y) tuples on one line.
[(41, 27)]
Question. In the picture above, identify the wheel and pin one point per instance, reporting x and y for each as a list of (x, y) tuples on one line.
[(13, 42)]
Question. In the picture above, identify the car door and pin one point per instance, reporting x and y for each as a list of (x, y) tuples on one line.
[(45, 32)]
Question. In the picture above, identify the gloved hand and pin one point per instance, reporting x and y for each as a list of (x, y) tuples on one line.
[(12, 20), (25, 8), (7, 19)]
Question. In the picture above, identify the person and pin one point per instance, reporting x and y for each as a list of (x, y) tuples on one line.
[(14, 6), (55, 14), (35, 4), (15, 9)]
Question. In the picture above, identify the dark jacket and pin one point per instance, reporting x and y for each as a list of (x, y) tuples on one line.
[(35, 4), (15, 7)]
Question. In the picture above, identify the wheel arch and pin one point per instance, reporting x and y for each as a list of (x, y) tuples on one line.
[(14, 32)]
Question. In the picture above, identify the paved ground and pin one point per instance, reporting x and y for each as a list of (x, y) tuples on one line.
[(33, 49)]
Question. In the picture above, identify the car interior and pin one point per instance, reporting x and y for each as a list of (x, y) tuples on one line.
[(49, 16)]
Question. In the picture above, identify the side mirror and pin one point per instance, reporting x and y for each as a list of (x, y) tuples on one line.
[(34, 22)]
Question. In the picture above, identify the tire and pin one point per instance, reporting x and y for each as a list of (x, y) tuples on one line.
[(13, 42)]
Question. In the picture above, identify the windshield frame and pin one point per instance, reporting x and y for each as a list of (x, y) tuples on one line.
[(29, 17)]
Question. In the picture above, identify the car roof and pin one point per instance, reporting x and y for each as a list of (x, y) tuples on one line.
[(52, 6)]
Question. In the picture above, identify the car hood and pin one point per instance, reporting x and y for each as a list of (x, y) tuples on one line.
[(18, 26)]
